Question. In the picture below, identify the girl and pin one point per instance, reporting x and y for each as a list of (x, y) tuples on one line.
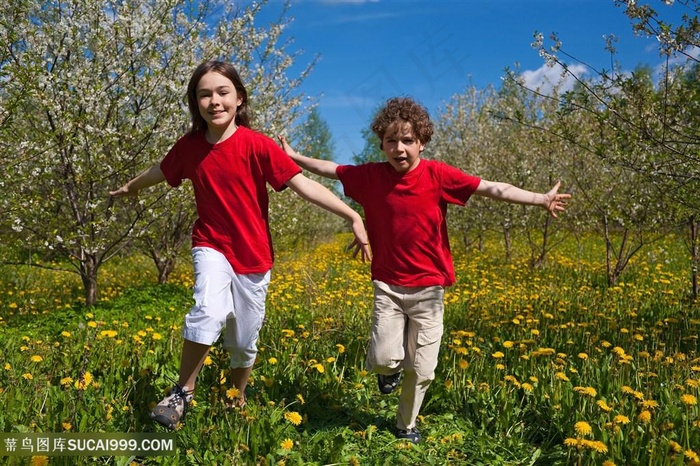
[(229, 165)]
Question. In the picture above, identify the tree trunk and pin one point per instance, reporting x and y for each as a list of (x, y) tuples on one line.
[(88, 275), (694, 259), (508, 240)]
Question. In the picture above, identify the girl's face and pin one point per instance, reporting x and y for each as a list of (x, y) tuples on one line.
[(218, 101), (401, 147)]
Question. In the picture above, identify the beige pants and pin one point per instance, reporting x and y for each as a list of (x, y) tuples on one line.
[(406, 332)]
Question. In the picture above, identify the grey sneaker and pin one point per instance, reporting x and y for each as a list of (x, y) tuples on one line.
[(173, 408), (412, 435), (388, 383)]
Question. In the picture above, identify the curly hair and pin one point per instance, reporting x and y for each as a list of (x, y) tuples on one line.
[(405, 110)]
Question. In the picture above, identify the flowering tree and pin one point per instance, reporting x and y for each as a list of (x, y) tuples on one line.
[(490, 133), (93, 93), (651, 128)]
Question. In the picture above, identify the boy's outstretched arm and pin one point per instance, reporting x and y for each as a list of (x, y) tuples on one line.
[(325, 168), (552, 201), (318, 194), (153, 175)]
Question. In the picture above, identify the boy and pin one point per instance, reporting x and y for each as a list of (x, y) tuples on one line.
[(405, 204)]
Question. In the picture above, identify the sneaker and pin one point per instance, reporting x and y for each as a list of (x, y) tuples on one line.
[(388, 383), (412, 435), (173, 408)]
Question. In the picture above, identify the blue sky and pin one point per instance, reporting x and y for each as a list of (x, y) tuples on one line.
[(431, 50)]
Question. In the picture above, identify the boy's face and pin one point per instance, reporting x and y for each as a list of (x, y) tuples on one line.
[(401, 147)]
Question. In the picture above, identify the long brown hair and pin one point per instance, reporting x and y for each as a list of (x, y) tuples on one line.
[(225, 69)]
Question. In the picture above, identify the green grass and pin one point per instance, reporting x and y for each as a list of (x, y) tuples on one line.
[(527, 354)]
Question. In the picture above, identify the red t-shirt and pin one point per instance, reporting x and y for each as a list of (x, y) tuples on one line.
[(229, 180), (406, 218)]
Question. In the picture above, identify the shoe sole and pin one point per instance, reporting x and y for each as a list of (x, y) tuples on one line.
[(166, 420)]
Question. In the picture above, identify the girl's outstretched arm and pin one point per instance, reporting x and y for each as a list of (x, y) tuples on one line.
[(318, 194), (325, 168), (153, 175)]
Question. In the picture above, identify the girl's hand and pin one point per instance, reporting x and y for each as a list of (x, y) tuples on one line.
[(357, 246)]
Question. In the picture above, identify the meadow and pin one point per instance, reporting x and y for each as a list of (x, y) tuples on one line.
[(545, 366)]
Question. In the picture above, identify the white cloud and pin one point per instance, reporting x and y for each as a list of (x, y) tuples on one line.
[(546, 78)]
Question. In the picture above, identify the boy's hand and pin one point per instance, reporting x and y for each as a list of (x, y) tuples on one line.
[(286, 147), (555, 202)]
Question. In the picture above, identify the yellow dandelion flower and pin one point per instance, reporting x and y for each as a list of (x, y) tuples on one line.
[(691, 455), (561, 376), (108, 333), (67, 426), (688, 399), (233, 393), (300, 397), (651, 404), (498, 355), (583, 356), (598, 446), (8, 366), (293, 417), (39, 461), (644, 417), (583, 428), (572, 442), (463, 364), (508, 344), (92, 324), (621, 419), (65, 334), (675, 446), (608, 463), (66, 381), (27, 376), (157, 336), (589, 391), (604, 406), (287, 444), (527, 387), (36, 358), (272, 361), (341, 348), (319, 367)]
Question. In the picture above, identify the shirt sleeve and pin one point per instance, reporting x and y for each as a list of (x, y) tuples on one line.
[(172, 165), (279, 167), (457, 186), (351, 177)]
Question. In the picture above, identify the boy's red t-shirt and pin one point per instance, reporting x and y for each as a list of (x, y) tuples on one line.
[(406, 218), (229, 180)]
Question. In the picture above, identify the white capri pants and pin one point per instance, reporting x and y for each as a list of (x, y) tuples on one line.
[(226, 300)]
